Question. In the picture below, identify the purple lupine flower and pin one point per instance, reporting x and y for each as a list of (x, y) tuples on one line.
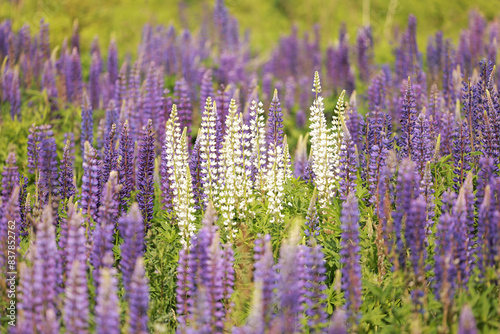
[(338, 324), (184, 108), (315, 288), (107, 310), (73, 240), (145, 183), (228, 276), (300, 118), (76, 302), (24, 206), (471, 103), (103, 235), (308, 175), (461, 239), (467, 322), (67, 189), (485, 231), (427, 191), (354, 122), (87, 127), (408, 120), (364, 50), (206, 88), (45, 270), (265, 276), (350, 257), (15, 97), (73, 73), (377, 160), (121, 85), (289, 94), (348, 168), (422, 149), (49, 182), (312, 219), (132, 231), (196, 176), (461, 153), (125, 167), (275, 123), (138, 299), (94, 84), (110, 158), (90, 183), (112, 116), (26, 296), (10, 177), (407, 189), (49, 80), (112, 62)]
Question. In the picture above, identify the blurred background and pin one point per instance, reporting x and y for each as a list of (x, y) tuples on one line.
[(267, 19)]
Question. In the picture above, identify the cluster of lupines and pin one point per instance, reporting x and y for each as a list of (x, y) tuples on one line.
[(240, 169)]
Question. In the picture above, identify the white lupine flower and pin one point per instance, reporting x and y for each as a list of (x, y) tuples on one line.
[(176, 155), (208, 153), (324, 149), (275, 181), (234, 186), (258, 143)]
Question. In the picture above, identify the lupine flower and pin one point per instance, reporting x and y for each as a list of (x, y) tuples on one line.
[(354, 121), (107, 308), (45, 270), (277, 174), (112, 117), (421, 143), (125, 167), (87, 129), (338, 324), (195, 168), (66, 174), (145, 185), (74, 77), (208, 154), (408, 120), (75, 242), (206, 88), (427, 191), (76, 304), (138, 297), (26, 296), (103, 238), (265, 277), (364, 43), (349, 255), (348, 168), (10, 177), (49, 182), (275, 122), (183, 106), (132, 230), (377, 160), (112, 62), (300, 158), (467, 322), (94, 73), (258, 144), (312, 219), (323, 150), (33, 150), (315, 288), (461, 153), (90, 183), (24, 206)]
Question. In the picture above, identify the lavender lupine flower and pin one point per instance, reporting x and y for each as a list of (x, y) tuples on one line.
[(107, 310), (74, 77), (15, 97), (377, 160), (315, 288), (265, 276), (275, 122), (407, 189), (461, 154), (184, 106), (45, 270), (125, 167), (206, 88), (103, 238), (112, 62), (26, 296), (467, 322), (33, 150), (112, 116), (228, 277), (278, 172), (76, 302), (485, 176), (10, 177), (94, 84), (338, 324), (312, 219), (348, 168), (109, 161), (486, 231), (24, 206), (422, 149), (350, 257), (138, 300), (354, 121), (258, 145), (67, 189), (461, 239), (90, 183), (75, 243), (408, 120), (308, 175), (195, 168), (145, 183), (132, 229), (364, 48), (49, 182), (87, 128)]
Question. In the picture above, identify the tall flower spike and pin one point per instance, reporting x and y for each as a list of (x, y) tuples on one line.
[(145, 183), (348, 168), (461, 154), (258, 144), (75, 245), (196, 179), (27, 294), (33, 150), (422, 145), (45, 269), (125, 167), (350, 256), (138, 300), (408, 120), (208, 154), (132, 228), (467, 322), (90, 182), (103, 236), (49, 182), (10, 177), (107, 310), (110, 158), (66, 174), (315, 288), (76, 302), (87, 128), (277, 174), (312, 219), (322, 149), (275, 122), (265, 276)]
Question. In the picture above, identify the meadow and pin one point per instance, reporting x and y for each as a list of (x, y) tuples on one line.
[(227, 167)]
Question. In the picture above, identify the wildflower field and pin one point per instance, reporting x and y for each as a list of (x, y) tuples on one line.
[(202, 183)]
